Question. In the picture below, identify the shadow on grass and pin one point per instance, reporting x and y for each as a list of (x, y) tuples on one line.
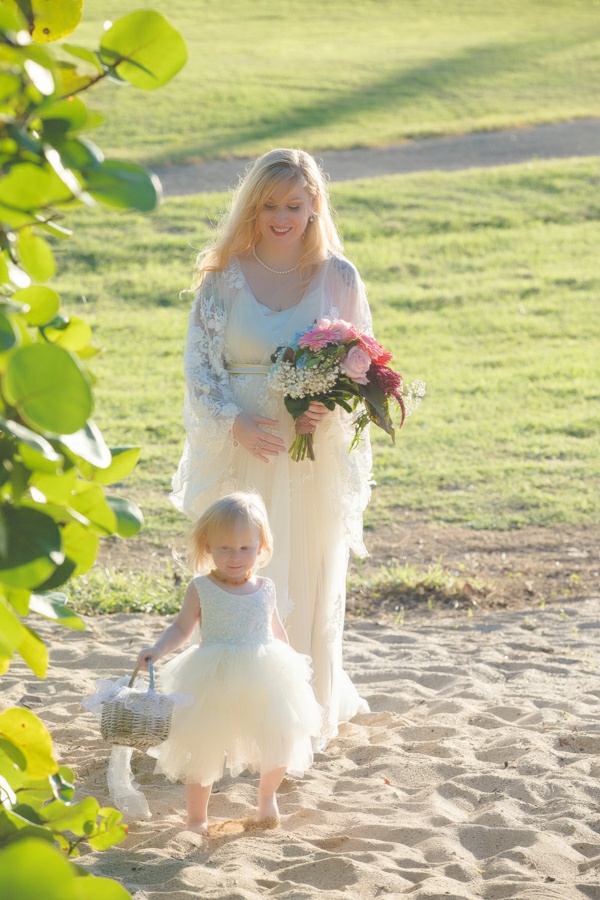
[(442, 80)]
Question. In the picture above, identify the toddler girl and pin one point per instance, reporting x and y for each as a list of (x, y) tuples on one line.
[(251, 703)]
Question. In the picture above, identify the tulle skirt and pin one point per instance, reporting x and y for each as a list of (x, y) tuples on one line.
[(250, 707)]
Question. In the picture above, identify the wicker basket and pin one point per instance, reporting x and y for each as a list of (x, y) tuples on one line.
[(142, 719)]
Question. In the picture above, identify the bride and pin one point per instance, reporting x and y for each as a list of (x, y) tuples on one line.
[(275, 267)]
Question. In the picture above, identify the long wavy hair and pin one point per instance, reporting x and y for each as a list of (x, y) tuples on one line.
[(221, 520), (238, 230)]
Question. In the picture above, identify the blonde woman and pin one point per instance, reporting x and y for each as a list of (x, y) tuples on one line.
[(275, 267)]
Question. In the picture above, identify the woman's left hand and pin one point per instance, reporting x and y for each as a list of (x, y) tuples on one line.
[(308, 421)]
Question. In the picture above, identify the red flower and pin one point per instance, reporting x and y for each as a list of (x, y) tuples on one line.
[(390, 383)]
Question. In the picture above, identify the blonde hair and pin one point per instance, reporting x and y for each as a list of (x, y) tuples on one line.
[(243, 507), (238, 231)]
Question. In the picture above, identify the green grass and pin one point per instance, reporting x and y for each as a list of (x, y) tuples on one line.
[(327, 74), (485, 284)]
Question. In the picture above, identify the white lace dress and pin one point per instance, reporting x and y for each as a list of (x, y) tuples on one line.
[(251, 704), (315, 508)]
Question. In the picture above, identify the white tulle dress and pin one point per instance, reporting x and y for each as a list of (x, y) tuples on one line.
[(250, 705), (314, 508)]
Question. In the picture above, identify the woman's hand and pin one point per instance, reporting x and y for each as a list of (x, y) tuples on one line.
[(258, 442), (308, 421)]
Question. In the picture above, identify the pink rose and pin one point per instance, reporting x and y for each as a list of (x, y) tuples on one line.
[(356, 364), (327, 332)]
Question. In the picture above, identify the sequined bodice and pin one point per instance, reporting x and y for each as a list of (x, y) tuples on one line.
[(235, 618)]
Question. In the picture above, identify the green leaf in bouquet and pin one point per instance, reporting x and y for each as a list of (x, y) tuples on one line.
[(378, 407), (144, 49)]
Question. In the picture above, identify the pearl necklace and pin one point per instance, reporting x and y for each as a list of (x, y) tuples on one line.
[(274, 271), (232, 581)]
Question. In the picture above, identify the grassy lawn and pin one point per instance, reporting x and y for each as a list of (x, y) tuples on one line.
[(484, 283), (327, 74)]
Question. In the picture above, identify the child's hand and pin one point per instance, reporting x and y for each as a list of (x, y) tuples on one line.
[(148, 654)]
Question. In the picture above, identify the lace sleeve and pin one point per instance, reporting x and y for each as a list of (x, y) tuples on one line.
[(209, 409), (209, 403)]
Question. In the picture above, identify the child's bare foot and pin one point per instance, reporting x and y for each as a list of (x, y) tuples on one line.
[(267, 807), (198, 827)]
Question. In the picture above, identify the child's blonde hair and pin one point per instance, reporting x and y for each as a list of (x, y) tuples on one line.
[(238, 231), (243, 507)]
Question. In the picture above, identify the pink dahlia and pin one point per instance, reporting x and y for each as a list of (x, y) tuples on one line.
[(327, 332)]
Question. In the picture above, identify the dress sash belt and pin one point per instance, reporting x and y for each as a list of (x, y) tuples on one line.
[(243, 369)]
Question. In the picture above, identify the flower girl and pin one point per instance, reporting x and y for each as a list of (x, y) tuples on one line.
[(251, 703)]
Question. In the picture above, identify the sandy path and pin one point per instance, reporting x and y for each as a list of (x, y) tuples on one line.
[(474, 776), (559, 140)]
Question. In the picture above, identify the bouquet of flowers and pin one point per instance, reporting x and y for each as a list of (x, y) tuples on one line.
[(333, 363)]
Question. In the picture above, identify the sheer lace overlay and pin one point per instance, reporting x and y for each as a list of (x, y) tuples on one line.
[(315, 509)]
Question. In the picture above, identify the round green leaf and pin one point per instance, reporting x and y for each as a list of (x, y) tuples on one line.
[(144, 49), (124, 185), (74, 336), (43, 303), (37, 454), (28, 187), (54, 606), (64, 117), (89, 500), (81, 153), (35, 254), (129, 516), (30, 546), (124, 460), (9, 335), (34, 652), (34, 868), (80, 544), (59, 577), (88, 444), (89, 56), (49, 389), (28, 734), (50, 21)]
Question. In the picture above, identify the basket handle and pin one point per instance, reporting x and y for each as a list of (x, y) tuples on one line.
[(150, 671)]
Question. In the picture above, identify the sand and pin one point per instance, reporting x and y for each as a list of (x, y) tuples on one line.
[(476, 775)]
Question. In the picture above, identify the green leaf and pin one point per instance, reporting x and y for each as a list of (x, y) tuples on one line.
[(89, 56), (64, 117), (89, 500), (9, 336), (30, 548), (27, 733), (124, 185), (129, 516), (14, 755), (81, 153), (43, 303), (35, 255), (53, 606), (27, 187), (11, 632), (87, 443), (80, 545), (33, 868), (55, 488), (124, 460), (50, 21), (14, 826), (144, 49), (80, 818), (49, 389), (70, 80), (59, 577), (34, 652)]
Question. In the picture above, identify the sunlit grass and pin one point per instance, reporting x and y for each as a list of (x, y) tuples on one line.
[(330, 74)]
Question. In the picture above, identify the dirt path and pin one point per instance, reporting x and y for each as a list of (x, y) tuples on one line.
[(479, 149)]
